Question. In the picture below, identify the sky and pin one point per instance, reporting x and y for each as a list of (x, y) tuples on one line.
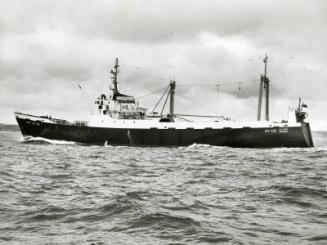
[(49, 50)]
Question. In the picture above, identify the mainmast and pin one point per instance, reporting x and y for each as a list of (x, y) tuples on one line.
[(114, 77), (172, 100), (264, 85)]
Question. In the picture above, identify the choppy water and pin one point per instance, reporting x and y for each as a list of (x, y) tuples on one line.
[(64, 193)]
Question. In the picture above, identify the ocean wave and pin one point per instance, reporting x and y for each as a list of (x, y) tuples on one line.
[(120, 205), (195, 145), (163, 221), (297, 191), (45, 214), (289, 149), (31, 139), (319, 149), (318, 238), (202, 146), (199, 194)]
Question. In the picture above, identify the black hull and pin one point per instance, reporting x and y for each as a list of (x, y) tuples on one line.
[(233, 137)]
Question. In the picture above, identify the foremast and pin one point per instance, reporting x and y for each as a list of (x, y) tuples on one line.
[(114, 77), (118, 105)]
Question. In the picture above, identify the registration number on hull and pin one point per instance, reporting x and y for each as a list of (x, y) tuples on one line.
[(276, 130)]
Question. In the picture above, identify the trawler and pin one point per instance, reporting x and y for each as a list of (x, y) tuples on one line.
[(120, 120)]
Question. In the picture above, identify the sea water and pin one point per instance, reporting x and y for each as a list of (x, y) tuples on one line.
[(54, 192)]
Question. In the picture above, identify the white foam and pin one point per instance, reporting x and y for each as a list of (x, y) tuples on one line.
[(54, 142), (195, 145), (106, 145)]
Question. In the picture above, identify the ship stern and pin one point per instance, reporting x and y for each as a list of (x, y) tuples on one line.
[(306, 131)]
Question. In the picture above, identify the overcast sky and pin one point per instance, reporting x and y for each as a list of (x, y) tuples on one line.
[(48, 48)]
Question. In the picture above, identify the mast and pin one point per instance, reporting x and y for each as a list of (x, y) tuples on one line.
[(266, 80), (172, 100), (264, 85), (114, 77), (299, 107), (260, 99)]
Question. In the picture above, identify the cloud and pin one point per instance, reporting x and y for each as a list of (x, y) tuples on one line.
[(150, 21), (46, 46)]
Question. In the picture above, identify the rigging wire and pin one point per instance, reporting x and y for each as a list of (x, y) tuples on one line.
[(273, 89), (152, 93), (277, 92), (282, 90), (192, 115), (165, 103), (181, 106), (213, 84), (236, 103), (178, 116), (68, 84), (166, 89), (52, 94), (196, 104), (92, 74)]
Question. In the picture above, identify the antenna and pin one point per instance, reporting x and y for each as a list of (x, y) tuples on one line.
[(265, 60)]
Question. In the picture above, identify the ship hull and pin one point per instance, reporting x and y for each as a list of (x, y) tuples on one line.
[(299, 136)]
